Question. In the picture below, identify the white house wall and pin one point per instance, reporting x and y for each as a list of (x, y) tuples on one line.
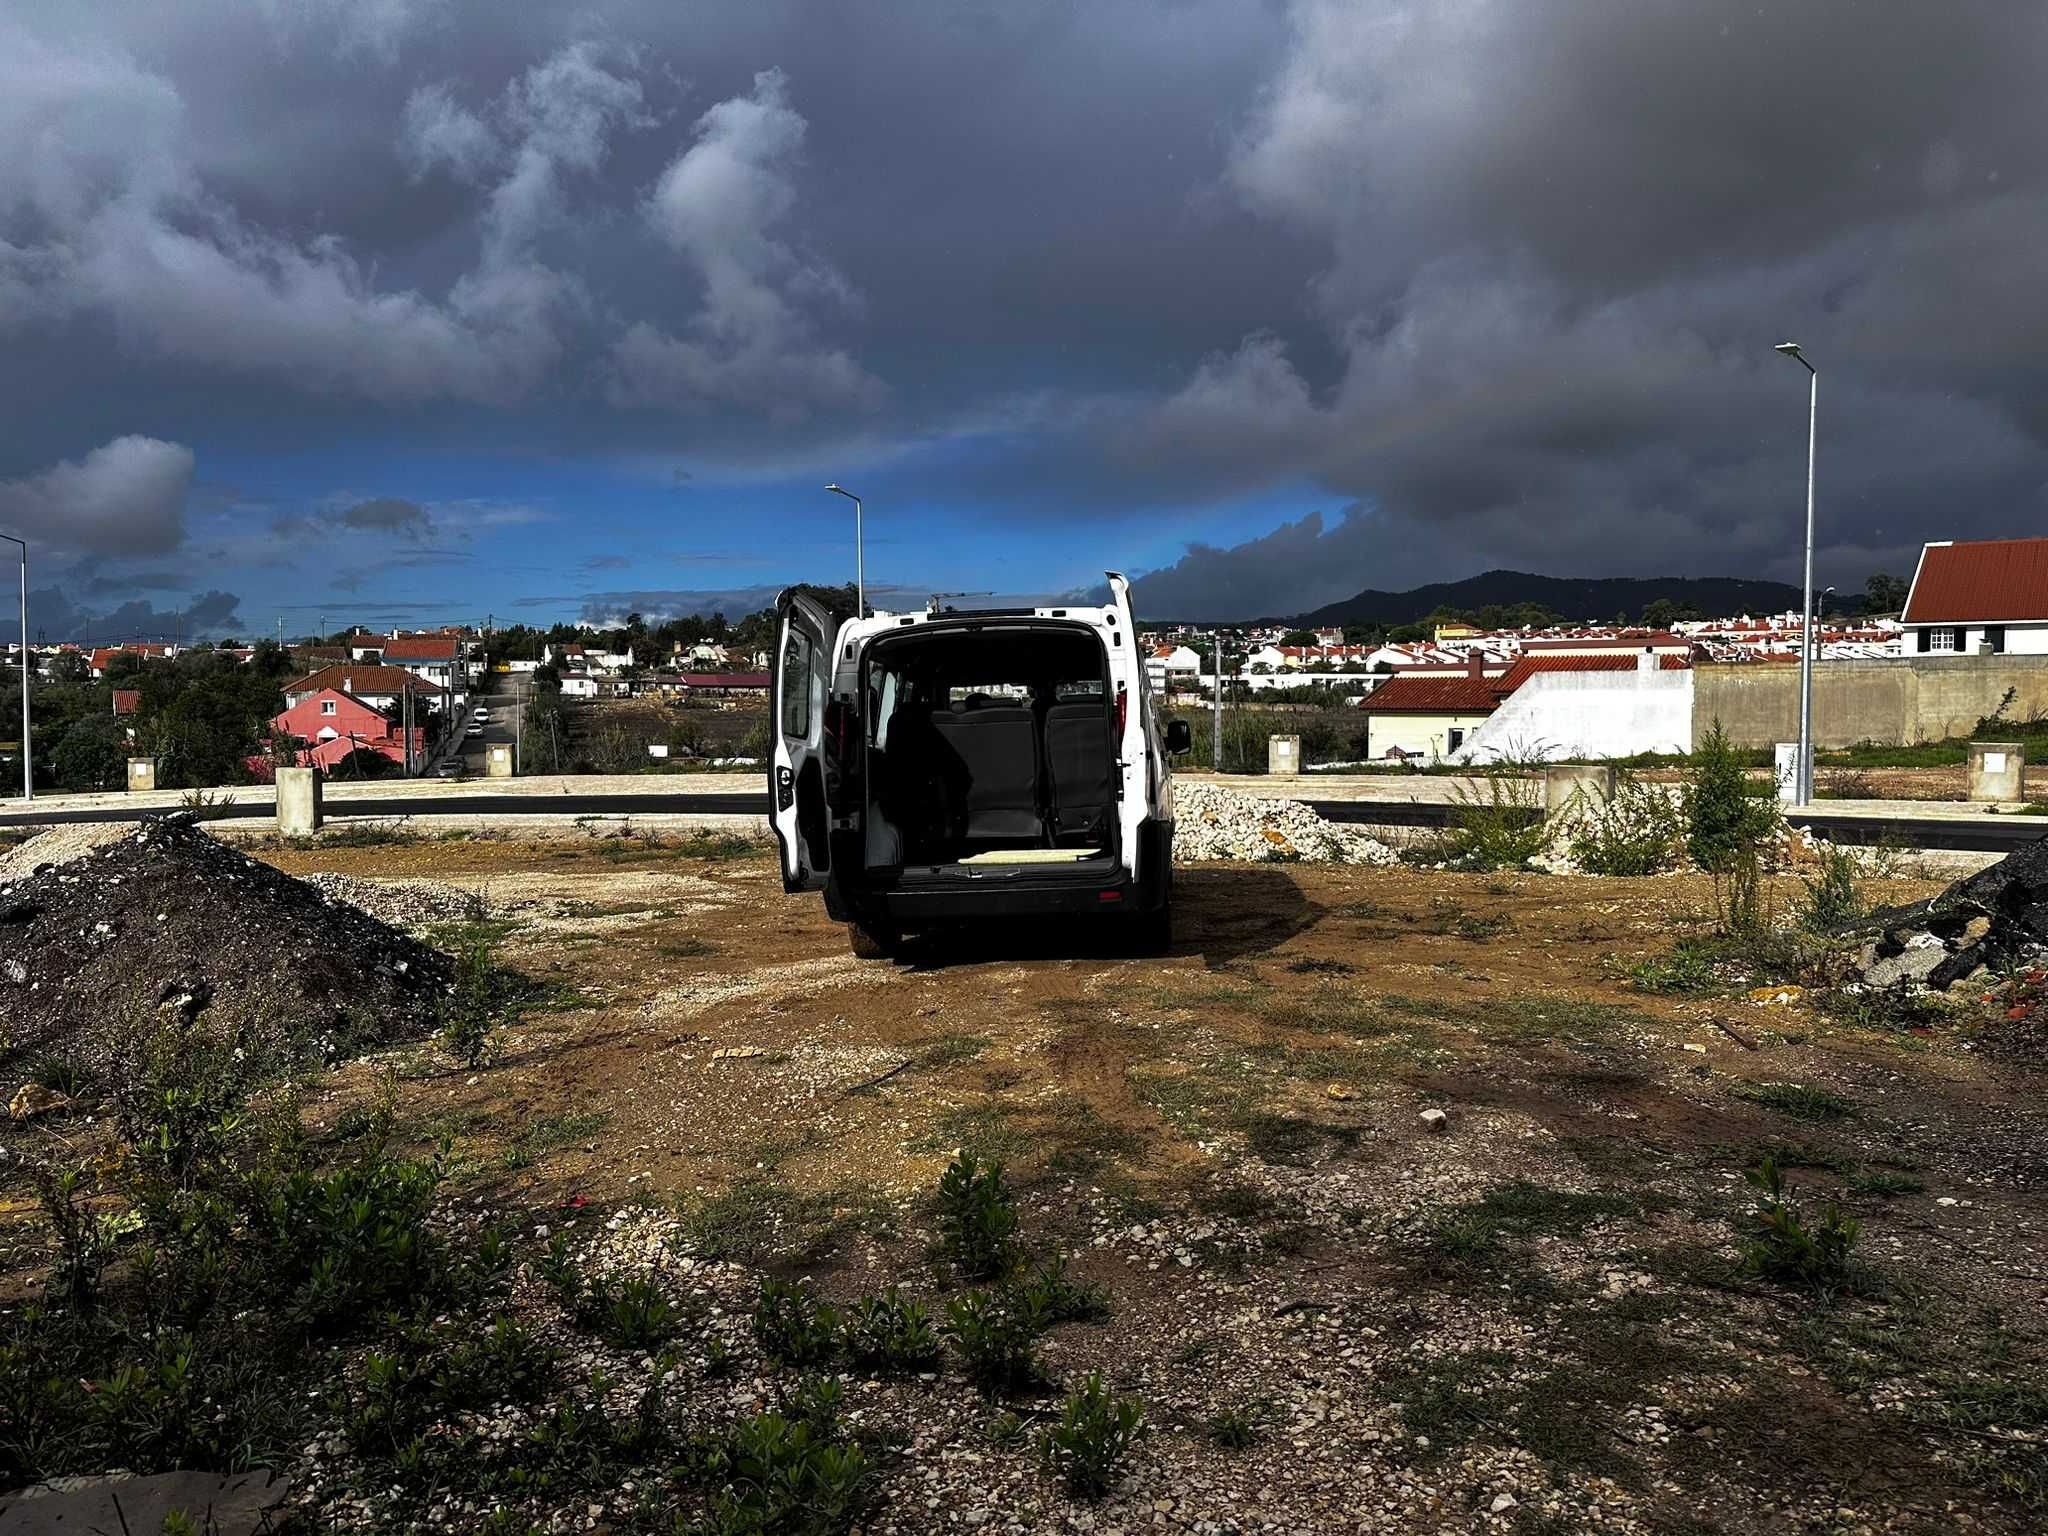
[(1588, 714), (1418, 735)]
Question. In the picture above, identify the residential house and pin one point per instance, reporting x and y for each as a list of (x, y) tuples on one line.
[(1171, 667), (1426, 717), (1988, 597), (578, 685), (104, 655), (378, 687), (332, 723), (435, 659)]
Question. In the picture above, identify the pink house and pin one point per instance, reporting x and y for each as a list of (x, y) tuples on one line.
[(333, 724)]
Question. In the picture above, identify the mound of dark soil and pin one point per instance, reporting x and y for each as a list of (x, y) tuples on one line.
[(164, 925)]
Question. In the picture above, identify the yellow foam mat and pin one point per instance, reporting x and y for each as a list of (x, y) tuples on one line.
[(1034, 856)]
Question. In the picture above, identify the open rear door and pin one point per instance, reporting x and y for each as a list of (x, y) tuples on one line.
[(806, 634)]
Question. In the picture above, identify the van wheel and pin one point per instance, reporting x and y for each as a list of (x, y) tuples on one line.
[(873, 943)]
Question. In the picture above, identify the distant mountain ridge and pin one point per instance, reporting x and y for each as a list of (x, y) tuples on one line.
[(1575, 597)]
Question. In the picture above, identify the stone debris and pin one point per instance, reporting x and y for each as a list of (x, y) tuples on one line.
[(403, 903), (110, 937), (33, 1099), (1214, 822), (241, 1504), (1992, 921), (1435, 1121)]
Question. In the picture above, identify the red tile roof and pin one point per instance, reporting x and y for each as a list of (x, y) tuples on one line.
[(1622, 640), (1994, 581), (1404, 695), (368, 678), (433, 647), (127, 700)]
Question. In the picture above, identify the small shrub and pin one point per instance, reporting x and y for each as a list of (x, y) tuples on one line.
[(977, 1218), (780, 1476), (1094, 1434), (996, 1335), (634, 1314), (1048, 1291), (1802, 1101), (1639, 831), (888, 1335), (470, 1027), (792, 1326), (84, 1241), (1237, 1429), (1687, 969), (1831, 900), (1728, 824), (1005, 1431), (1499, 825), (1784, 1249)]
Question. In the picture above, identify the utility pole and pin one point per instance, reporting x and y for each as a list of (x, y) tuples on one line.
[(1216, 664), (1802, 793), (28, 769)]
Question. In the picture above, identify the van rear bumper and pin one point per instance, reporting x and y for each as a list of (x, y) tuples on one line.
[(1012, 893)]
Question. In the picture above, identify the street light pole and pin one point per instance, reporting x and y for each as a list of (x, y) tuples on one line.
[(28, 771), (860, 561), (1803, 774)]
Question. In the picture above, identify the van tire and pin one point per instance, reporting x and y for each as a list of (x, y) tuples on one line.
[(870, 943)]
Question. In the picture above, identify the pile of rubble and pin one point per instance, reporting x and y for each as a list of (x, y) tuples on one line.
[(1212, 822), (1993, 923), (108, 935)]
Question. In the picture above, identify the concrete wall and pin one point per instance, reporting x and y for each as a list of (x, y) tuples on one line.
[(1894, 702), (1417, 735), (1589, 714)]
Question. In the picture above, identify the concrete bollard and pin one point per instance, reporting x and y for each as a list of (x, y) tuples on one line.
[(141, 775), (1998, 770), (498, 761), (1594, 782), (298, 801), (1283, 754)]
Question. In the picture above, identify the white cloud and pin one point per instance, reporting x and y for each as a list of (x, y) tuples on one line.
[(126, 497), (116, 221), (718, 205)]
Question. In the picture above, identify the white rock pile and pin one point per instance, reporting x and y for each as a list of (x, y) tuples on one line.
[(403, 903), (1212, 822)]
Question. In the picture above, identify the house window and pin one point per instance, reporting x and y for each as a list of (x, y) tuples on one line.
[(1454, 738), (327, 706), (1941, 640)]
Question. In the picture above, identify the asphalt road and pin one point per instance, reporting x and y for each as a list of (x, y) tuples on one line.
[(1985, 834)]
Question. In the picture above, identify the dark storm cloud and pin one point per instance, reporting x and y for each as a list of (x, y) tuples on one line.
[(1499, 277), (1560, 249), (52, 614)]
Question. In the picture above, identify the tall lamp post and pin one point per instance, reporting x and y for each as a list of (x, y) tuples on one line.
[(860, 563), (1802, 792), (28, 771)]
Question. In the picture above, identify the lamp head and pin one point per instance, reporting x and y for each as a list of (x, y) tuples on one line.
[(1789, 348)]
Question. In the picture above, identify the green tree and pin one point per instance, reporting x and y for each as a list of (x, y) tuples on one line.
[(1728, 822), (1884, 593), (92, 754)]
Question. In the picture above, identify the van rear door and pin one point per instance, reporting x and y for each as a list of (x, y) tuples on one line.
[(806, 634)]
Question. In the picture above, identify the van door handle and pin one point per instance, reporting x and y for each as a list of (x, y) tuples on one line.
[(785, 789)]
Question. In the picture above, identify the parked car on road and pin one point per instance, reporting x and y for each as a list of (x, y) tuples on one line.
[(934, 767)]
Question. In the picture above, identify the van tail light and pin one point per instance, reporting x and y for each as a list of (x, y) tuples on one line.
[(1123, 709)]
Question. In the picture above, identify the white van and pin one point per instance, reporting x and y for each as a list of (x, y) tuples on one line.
[(946, 766)]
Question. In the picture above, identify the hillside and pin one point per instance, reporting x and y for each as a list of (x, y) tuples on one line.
[(1574, 597)]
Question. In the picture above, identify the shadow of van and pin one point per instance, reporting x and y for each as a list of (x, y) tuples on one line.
[(1221, 913)]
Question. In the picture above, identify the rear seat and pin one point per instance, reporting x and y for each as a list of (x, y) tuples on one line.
[(988, 767), (1078, 758)]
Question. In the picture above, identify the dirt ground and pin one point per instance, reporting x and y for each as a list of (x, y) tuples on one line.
[(1529, 1321)]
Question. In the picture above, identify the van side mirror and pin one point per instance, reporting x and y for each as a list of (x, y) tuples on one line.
[(1180, 736)]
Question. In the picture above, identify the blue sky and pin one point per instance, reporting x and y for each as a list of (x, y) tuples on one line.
[(417, 310)]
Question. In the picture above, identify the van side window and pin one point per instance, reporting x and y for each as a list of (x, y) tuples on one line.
[(796, 684)]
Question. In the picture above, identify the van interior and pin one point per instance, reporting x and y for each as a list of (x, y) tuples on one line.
[(991, 745)]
